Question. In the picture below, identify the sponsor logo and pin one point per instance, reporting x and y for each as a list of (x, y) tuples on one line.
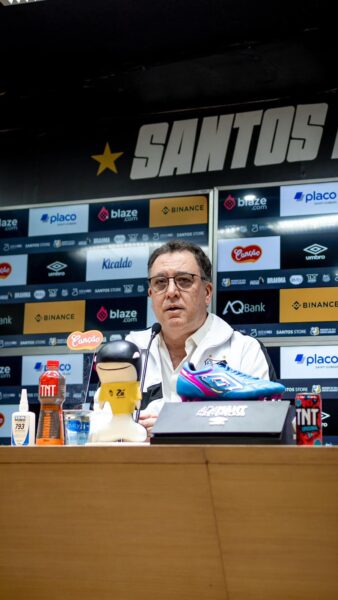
[(296, 279), (57, 268), (70, 365), (275, 280), (119, 239), (88, 340), (64, 219), (9, 224), (244, 254), (39, 294), (50, 317), (314, 196), (238, 307), (187, 210), (300, 305), (121, 263), (315, 251), (58, 218), (309, 199), (314, 331), (306, 362), (317, 359), (103, 214), (126, 316), (235, 256), (5, 372), (248, 201), (5, 270), (110, 264), (126, 215)]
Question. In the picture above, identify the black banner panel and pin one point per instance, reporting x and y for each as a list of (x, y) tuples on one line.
[(76, 267), (277, 279)]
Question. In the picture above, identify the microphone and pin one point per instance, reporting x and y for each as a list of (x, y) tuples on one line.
[(156, 328)]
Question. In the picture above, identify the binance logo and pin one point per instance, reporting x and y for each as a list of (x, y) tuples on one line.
[(296, 305), (184, 210)]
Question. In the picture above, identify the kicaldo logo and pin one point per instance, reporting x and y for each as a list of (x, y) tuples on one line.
[(303, 305), (54, 317), (185, 210)]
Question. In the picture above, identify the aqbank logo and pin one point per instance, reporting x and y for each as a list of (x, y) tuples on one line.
[(309, 362), (58, 220), (309, 199), (109, 264)]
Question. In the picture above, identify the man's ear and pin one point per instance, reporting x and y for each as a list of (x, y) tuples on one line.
[(208, 292)]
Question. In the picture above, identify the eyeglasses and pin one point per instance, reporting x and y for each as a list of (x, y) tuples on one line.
[(183, 281)]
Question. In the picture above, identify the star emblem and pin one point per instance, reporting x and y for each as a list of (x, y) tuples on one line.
[(107, 160)]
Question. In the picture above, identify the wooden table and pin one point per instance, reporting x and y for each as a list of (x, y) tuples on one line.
[(169, 522)]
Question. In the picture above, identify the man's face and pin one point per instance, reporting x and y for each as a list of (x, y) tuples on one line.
[(180, 312)]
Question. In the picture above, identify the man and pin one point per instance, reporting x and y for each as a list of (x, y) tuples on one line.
[(180, 289)]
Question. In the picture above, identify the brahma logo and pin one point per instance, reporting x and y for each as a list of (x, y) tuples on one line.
[(5, 270), (246, 254)]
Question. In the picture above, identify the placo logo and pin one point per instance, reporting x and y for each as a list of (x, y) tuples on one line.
[(185, 210), (309, 362), (309, 199), (54, 317), (306, 305), (249, 254), (108, 264), (71, 365), (63, 219), (13, 270)]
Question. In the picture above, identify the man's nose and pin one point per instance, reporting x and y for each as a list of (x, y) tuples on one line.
[(172, 288)]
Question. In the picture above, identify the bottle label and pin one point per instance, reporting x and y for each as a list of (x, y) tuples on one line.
[(308, 419), (49, 389), (20, 430)]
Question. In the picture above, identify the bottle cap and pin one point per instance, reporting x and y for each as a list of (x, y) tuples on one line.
[(53, 364), (23, 406)]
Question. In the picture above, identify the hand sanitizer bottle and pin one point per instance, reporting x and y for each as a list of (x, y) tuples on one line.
[(23, 424)]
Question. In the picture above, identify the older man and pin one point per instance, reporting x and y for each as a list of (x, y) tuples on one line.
[(180, 289)]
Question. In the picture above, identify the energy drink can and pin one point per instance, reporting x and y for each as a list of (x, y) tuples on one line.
[(309, 419)]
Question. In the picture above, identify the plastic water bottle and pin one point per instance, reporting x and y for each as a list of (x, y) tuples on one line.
[(52, 394)]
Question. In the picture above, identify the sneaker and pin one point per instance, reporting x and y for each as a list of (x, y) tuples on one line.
[(221, 382)]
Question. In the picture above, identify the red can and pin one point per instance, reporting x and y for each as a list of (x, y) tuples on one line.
[(309, 419)]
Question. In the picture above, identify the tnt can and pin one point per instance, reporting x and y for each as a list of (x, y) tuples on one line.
[(309, 419)]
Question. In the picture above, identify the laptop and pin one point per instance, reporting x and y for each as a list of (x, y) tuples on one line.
[(225, 422)]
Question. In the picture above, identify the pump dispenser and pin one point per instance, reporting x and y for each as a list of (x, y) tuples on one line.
[(23, 424)]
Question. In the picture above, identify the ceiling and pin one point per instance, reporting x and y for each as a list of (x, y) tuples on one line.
[(73, 59)]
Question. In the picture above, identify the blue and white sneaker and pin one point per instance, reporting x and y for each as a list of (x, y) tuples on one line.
[(220, 382)]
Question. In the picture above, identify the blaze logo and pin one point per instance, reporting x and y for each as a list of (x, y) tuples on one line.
[(5, 270), (229, 202), (102, 314), (103, 214), (246, 254)]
